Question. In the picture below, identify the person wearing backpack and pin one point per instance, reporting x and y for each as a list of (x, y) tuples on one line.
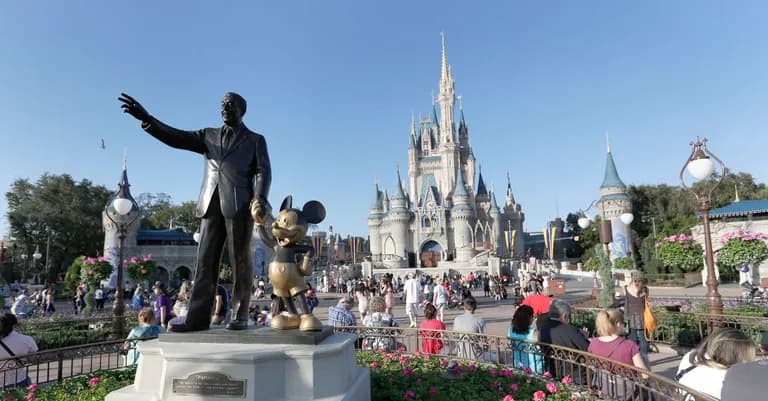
[(13, 344)]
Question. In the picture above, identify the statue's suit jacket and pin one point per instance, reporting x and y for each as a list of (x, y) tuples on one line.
[(239, 170)]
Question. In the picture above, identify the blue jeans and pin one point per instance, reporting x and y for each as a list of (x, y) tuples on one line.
[(638, 336)]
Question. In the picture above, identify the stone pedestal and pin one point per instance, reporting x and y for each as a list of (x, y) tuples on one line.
[(178, 370)]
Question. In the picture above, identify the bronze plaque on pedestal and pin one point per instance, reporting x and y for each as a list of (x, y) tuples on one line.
[(212, 384)]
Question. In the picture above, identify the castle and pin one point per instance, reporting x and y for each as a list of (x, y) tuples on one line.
[(442, 215)]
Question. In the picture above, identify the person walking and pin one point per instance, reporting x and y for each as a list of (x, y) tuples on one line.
[(412, 290), (440, 299), (635, 297)]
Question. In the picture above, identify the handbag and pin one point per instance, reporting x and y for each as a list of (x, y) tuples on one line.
[(649, 321)]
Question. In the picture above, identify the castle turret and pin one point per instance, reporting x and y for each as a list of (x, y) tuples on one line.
[(399, 218), (461, 219), (497, 234), (614, 202), (413, 161), (512, 224), (375, 216)]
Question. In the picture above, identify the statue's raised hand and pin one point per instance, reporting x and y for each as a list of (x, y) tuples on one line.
[(134, 108)]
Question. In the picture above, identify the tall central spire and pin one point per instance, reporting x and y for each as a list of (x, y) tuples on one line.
[(446, 98), (445, 73)]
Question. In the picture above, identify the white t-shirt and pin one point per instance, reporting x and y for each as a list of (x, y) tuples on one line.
[(412, 291), (21, 345), (441, 296), (705, 379)]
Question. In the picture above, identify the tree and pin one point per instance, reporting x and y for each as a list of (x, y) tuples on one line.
[(159, 213), (57, 206)]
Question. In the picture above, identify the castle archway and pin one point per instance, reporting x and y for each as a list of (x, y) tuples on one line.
[(389, 246), (430, 253), (161, 275), (182, 273)]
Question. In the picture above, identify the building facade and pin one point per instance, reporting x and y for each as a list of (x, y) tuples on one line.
[(441, 213)]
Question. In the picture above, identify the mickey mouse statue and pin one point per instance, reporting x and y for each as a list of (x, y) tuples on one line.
[(290, 263)]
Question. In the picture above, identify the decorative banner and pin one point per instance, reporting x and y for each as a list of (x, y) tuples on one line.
[(546, 241), (506, 240), (512, 243), (553, 235)]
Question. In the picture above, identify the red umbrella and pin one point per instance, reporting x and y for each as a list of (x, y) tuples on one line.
[(539, 303)]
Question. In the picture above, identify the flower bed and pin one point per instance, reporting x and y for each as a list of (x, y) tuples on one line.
[(92, 387), (396, 376)]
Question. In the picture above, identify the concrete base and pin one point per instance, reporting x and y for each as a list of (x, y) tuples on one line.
[(281, 372)]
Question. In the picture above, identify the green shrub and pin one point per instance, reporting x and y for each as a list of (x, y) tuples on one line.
[(92, 387)]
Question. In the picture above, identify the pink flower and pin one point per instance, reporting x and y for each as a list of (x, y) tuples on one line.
[(495, 385), (528, 371), (433, 390), (547, 375), (32, 387), (443, 363), (374, 364), (552, 387), (492, 372), (567, 380), (508, 398), (514, 387), (31, 396), (539, 396), (407, 371), (409, 394), (520, 364), (528, 380), (10, 397), (471, 368), (94, 381)]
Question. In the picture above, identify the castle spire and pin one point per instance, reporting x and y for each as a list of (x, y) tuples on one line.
[(445, 73), (510, 195), (399, 194), (611, 178), (481, 190)]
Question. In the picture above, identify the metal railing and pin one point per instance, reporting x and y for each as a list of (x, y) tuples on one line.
[(683, 328), (62, 363), (591, 375)]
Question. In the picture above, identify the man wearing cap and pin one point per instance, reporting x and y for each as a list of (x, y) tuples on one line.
[(235, 187), (341, 314)]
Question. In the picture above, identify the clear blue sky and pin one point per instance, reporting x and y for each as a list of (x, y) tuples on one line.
[(332, 86)]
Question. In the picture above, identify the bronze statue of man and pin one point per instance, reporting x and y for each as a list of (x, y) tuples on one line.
[(235, 185)]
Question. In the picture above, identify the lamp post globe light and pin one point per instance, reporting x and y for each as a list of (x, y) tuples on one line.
[(700, 166), (122, 210)]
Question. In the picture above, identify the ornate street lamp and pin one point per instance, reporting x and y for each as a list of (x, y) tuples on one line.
[(700, 166), (122, 210)]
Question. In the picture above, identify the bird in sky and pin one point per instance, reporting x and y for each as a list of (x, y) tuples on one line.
[(103, 145)]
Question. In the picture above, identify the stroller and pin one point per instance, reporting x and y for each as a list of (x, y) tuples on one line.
[(751, 293), (453, 301)]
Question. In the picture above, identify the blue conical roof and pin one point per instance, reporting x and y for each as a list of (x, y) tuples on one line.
[(377, 199), (611, 178), (461, 188), (434, 116), (399, 194), (494, 205), (481, 190)]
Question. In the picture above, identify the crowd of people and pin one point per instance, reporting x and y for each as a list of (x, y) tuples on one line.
[(540, 321)]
